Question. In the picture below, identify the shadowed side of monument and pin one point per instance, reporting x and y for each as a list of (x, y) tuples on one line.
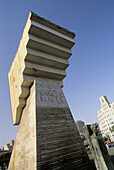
[(47, 137), (59, 145)]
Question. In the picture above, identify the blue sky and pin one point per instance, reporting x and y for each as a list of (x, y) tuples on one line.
[(91, 71)]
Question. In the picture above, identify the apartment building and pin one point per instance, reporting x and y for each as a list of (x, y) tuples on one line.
[(80, 125), (106, 117)]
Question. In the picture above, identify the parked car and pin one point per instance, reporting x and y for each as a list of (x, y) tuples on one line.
[(109, 144)]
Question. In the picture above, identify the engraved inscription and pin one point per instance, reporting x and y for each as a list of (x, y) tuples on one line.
[(51, 96), (50, 92)]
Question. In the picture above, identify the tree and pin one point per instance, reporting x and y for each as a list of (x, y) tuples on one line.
[(82, 136), (105, 139), (112, 129)]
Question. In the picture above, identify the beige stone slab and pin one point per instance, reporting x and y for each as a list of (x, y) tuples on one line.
[(43, 31), (48, 47), (46, 59), (38, 56), (24, 152), (49, 24), (43, 71)]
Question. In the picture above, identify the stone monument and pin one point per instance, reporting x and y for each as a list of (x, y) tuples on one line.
[(98, 148), (47, 136)]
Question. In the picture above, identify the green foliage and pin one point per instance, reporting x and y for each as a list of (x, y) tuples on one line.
[(112, 129), (105, 139), (82, 137)]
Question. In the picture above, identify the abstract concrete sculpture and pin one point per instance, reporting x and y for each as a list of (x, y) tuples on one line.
[(47, 136), (43, 52)]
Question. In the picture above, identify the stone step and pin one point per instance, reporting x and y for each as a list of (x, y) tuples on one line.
[(43, 71), (52, 35), (46, 59), (48, 47)]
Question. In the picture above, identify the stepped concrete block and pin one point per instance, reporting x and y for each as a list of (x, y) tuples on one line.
[(43, 52)]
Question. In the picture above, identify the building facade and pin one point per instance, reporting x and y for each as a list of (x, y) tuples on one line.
[(80, 125), (5, 154), (106, 117)]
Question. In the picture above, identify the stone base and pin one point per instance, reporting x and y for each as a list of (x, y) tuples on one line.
[(47, 137)]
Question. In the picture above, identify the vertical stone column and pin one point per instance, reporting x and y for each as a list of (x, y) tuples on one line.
[(59, 145), (47, 137)]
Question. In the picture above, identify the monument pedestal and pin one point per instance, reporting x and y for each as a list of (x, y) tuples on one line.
[(47, 137)]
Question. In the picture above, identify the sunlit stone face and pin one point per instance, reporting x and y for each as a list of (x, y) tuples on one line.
[(43, 53)]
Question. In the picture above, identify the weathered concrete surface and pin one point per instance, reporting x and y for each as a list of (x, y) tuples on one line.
[(47, 137), (24, 152), (59, 145), (43, 52), (98, 148), (47, 120)]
